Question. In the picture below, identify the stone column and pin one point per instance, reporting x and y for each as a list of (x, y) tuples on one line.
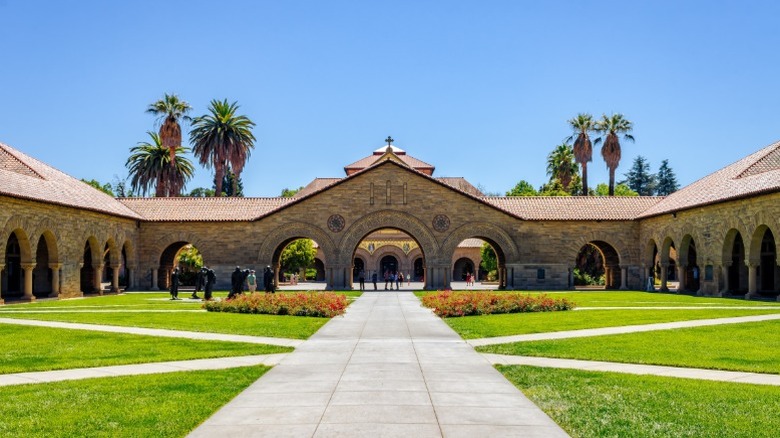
[(681, 278), (428, 278), (2, 266), (98, 270), (28, 281), (752, 287), (115, 278), (623, 278), (154, 279), (664, 277), (55, 279)]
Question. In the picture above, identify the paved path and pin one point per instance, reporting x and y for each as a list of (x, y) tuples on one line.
[(136, 369), (620, 330), (654, 370), (157, 332), (387, 368)]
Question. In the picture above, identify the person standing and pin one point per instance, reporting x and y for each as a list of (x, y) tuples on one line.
[(200, 280), (362, 280), (236, 282), (387, 278), (251, 281), (268, 280), (395, 280), (210, 280), (175, 284), (373, 279)]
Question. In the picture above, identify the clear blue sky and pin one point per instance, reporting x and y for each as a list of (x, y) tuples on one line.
[(480, 89)]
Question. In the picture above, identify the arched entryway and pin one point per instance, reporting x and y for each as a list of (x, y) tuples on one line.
[(391, 253), (358, 266), (689, 269), (762, 266), (182, 255), (598, 266), (736, 281), (13, 275), (42, 274), (462, 269), (90, 274), (319, 271)]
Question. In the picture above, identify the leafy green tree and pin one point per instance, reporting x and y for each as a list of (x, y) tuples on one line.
[(620, 190), (489, 261), (639, 178), (222, 140), (297, 255), (201, 192), (289, 193), (553, 188), (169, 110), (190, 258), (611, 128), (523, 188), (583, 147), (232, 184), (666, 180), (561, 165), (105, 188), (149, 167)]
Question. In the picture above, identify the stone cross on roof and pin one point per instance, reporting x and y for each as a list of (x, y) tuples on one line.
[(389, 140)]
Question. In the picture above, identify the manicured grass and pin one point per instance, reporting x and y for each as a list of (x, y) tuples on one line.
[(294, 327), (642, 299), (157, 405), (25, 349), (488, 326), (753, 347), (592, 404)]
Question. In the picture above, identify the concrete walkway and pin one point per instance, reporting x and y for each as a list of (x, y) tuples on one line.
[(640, 369), (157, 332), (136, 369), (620, 330), (387, 368)]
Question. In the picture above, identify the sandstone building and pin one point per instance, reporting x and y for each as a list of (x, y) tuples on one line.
[(61, 237)]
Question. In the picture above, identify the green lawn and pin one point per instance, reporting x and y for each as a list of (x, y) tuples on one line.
[(487, 326), (592, 404), (641, 299), (277, 326), (157, 405), (753, 347), (155, 310), (25, 349)]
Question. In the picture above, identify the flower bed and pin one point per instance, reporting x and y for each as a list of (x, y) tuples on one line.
[(319, 304), (448, 304)]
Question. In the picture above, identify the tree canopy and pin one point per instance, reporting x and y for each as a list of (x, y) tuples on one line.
[(620, 190), (489, 261), (297, 255), (611, 128), (523, 188), (289, 193), (666, 180), (639, 178)]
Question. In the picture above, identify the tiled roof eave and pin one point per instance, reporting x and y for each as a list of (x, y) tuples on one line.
[(713, 202), (137, 216)]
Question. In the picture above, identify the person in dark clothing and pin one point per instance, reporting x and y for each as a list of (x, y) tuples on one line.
[(236, 282), (210, 280), (268, 280), (373, 279), (175, 284), (200, 281), (362, 280)]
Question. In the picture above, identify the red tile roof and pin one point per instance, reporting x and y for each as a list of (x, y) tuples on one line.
[(461, 184), (222, 209), (316, 185), (574, 208), (22, 176), (372, 159), (755, 174)]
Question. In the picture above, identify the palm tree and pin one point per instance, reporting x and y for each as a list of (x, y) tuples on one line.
[(169, 110), (583, 148), (222, 140), (561, 165), (149, 166), (613, 126)]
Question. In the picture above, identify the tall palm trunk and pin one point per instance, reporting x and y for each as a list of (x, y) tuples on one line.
[(584, 165), (219, 173), (612, 181)]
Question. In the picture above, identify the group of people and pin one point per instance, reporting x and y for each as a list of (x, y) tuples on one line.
[(205, 279), (391, 278), (240, 281), (469, 279)]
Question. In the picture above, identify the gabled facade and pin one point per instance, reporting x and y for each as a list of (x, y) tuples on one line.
[(63, 238)]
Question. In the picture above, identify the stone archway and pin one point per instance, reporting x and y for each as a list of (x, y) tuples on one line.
[(272, 246), (688, 267), (503, 245), (91, 266), (734, 257), (762, 263), (436, 277)]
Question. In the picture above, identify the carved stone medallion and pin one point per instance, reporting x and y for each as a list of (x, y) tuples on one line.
[(336, 223), (441, 223)]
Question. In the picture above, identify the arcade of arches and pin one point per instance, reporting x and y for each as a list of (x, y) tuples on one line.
[(389, 213)]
